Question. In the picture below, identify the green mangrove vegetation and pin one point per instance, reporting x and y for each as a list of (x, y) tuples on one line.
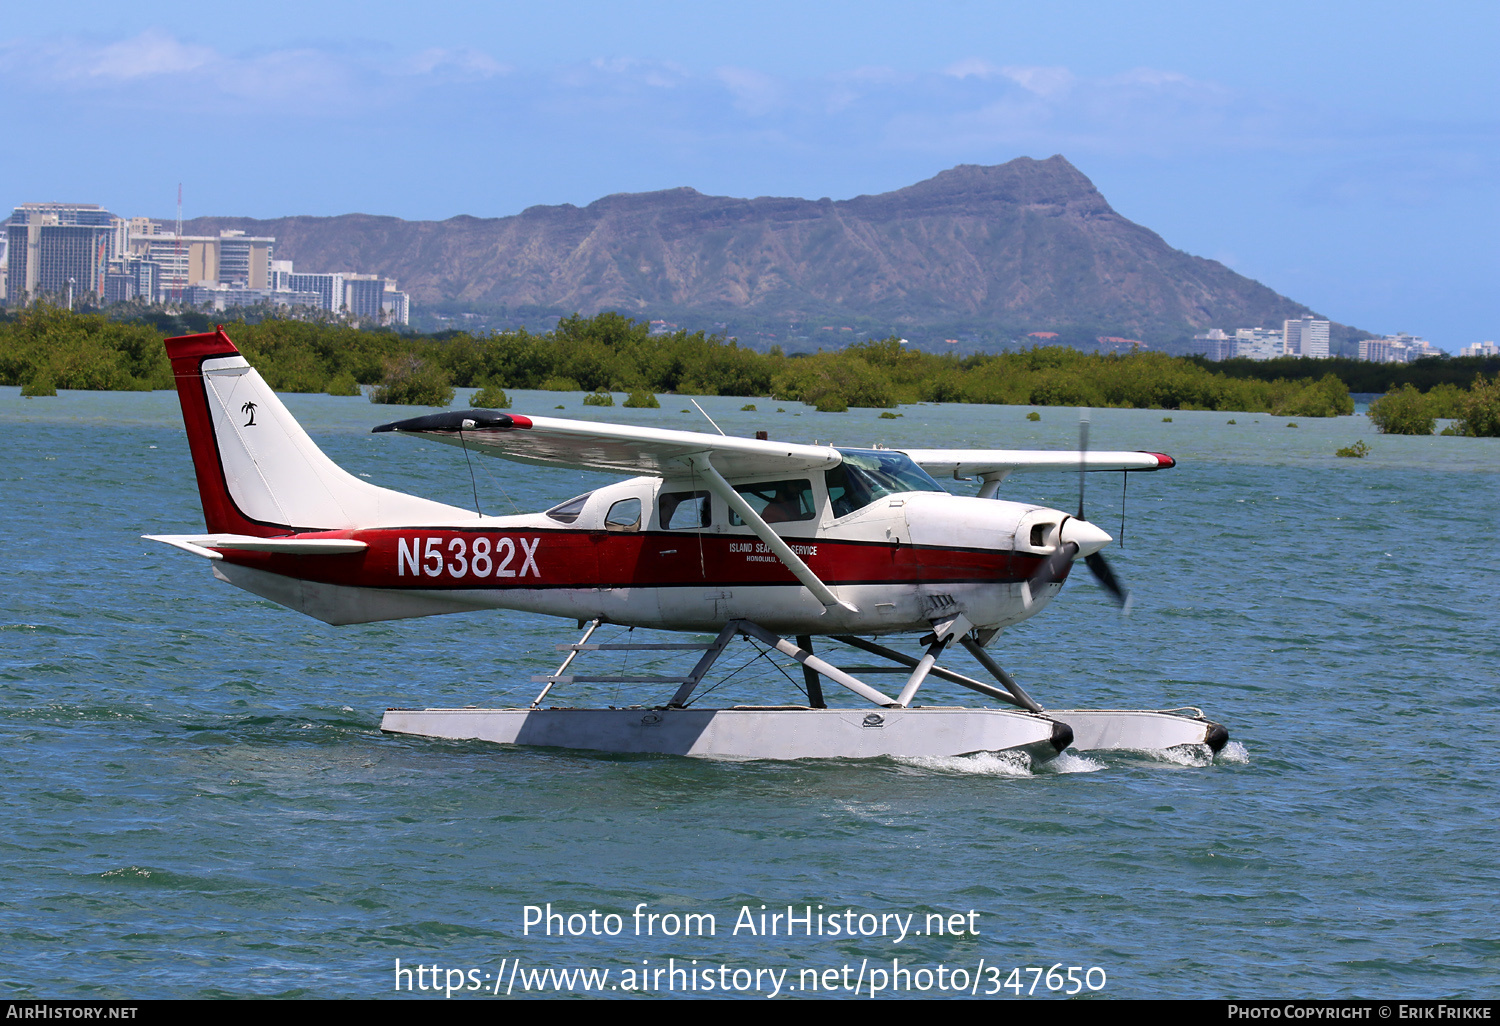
[(44, 348), (490, 397), (1362, 375), (1475, 412)]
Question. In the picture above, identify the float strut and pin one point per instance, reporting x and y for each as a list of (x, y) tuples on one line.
[(810, 676), (705, 662), (806, 658), (942, 633), (566, 662), (988, 662), (999, 694)]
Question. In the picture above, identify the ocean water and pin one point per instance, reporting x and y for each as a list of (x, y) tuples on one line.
[(197, 799)]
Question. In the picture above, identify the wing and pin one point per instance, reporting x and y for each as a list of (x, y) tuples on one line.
[(621, 448), (654, 452), (962, 463)]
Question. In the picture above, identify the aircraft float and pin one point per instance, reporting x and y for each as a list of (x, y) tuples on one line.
[(740, 538)]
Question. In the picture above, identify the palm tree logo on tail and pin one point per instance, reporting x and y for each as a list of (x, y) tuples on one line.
[(250, 409)]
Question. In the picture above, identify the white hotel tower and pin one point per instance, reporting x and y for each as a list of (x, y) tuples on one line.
[(1306, 337)]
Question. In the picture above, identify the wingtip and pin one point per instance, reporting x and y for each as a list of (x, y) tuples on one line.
[(456, 420)]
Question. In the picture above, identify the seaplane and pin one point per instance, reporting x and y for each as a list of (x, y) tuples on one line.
[(731, 539)]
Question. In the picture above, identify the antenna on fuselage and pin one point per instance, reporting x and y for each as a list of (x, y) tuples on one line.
[(469, 460), (706, 416)]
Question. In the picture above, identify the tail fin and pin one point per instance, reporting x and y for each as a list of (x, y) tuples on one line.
[(258, 471)]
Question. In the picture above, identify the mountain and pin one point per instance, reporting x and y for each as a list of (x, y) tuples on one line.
[(1023, 246)]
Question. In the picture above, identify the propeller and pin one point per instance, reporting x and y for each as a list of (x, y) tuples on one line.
[(1056, 564), (1105, 575), (1097, 564), (1051, 570)]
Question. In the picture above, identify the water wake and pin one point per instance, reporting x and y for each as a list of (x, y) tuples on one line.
[(1072, 762), (985, 764), (1198, 756), (1234, 752)]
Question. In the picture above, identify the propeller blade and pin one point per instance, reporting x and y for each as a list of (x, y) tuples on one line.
[(1102, 571), (1051, 571), (1105, 575)]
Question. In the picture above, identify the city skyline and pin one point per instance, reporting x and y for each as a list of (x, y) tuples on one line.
[(1343, 156), (69, 252)]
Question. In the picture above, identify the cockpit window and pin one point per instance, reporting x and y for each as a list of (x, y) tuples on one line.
[(679, 510), (867, 474), (624, 515), (569, 511), (777, 501)]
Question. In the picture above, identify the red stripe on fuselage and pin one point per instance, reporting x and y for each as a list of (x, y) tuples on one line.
[(446, 558)]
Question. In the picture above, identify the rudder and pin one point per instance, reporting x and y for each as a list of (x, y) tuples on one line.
[(258, 472)]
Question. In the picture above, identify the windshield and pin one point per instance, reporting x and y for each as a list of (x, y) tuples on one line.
[(867, 474)]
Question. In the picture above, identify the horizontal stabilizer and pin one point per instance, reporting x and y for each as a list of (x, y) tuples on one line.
[(205, 544)]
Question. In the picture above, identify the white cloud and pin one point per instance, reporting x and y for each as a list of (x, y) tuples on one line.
[(151, 53), (1045, 82), (991, 108), (164, 69), (845, 88), (755, 93), (971, 110), (465, 61), (1038, 79), (972, 67), (656, 74), (1154, 77), (297, 76)]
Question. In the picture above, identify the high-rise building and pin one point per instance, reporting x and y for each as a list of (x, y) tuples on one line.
[(1397, 348), (131, 278), (395, 306), (1259, 343), (329, 288), (1214, 344), (245, 260), (362, 295), (231, 258), (1480, 349), (1306, 336), (59, 249), (371, 297)]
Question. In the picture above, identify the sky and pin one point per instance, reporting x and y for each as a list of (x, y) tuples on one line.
[(1345, 154)]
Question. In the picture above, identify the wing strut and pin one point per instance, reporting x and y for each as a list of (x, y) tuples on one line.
[(991, 483), (774, 542)]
